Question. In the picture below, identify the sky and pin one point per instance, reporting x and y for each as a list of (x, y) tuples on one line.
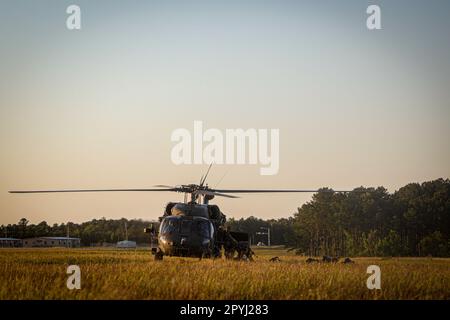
[(95, 108)]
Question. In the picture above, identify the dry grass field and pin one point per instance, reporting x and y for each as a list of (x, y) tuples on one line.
[(132, 274)]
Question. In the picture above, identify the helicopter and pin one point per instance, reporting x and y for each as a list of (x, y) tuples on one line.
[(194, 227)]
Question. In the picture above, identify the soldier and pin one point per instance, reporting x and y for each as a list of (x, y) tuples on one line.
[(348, 261), (275, 259)]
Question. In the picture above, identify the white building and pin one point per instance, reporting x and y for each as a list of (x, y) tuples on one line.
[(126, 244)]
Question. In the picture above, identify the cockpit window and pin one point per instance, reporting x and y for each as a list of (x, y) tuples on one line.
[(186, 226), (169, 226), (202, 227)]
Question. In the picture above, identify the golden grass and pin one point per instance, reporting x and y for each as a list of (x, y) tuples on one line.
[(125, 274)]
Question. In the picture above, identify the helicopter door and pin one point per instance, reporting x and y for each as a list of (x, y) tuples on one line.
[(203, 228)]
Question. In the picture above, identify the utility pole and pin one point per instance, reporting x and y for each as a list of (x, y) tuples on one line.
[(68, 234), (266, 233)]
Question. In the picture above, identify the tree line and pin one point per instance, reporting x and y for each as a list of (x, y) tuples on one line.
[(95, 232), (413, 221)]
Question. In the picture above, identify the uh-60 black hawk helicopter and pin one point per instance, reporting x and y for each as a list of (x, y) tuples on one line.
[(194, 228)]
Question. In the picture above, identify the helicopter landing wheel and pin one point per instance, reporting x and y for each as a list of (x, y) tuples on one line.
[(205, 254), (158, 256)]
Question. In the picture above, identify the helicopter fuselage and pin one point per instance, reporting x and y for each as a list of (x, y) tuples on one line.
[(186, 236), (196, 230)]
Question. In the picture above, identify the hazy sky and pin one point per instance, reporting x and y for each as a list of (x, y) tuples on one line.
[(95, 108)]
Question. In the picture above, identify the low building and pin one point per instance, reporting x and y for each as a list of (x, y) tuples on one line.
[(126, 244), (10, 243), (52, 242)]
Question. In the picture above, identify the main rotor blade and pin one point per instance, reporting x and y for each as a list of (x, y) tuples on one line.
[(272, 191), (164, 186), (93, 190), (212, 193)]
